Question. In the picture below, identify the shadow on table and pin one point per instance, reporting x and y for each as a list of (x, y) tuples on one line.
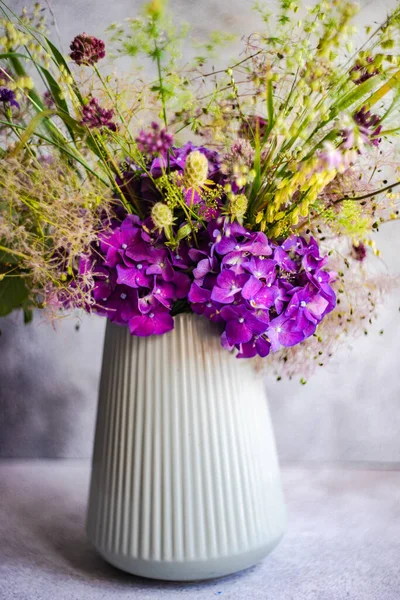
[(69, 542), (55, 527)]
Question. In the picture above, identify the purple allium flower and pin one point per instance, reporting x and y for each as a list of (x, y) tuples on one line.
[(241, 153), (154, 142), (87, 49), (268, 295), (359, 251), (364, 72), (8, 97), (368, 125), (94, 116)]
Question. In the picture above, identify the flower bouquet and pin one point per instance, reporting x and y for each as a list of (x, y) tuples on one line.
[(246, 195)]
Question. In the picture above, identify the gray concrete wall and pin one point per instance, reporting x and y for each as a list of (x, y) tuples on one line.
[(349, 410)]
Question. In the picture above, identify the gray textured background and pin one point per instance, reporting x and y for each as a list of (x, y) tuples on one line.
[(348, 411)]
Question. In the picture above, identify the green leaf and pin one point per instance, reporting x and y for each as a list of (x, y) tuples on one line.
[(61, 62), (13, 293), (30, 129), (270, 103), (183, 232), (356, 94), (57, 97)]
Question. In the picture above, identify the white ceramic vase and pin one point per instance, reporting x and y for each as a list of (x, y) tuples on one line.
[(185, 481)]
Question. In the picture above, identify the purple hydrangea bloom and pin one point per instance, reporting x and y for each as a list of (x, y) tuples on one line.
[(8, 97), (155, 322), (134, 278), (201, 303), (96, 117), (228, 287), (241, 324), (267, 295), (87, 49)]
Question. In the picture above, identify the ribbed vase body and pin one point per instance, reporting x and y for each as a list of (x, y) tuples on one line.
[(185, 481)]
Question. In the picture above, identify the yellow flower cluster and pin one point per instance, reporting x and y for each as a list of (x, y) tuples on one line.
[(13, 37), (21, 83), (304, 185)]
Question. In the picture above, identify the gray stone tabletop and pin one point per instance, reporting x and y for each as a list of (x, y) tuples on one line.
[(342, 541)]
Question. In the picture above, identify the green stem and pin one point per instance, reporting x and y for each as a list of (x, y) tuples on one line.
[(157, 53), (370, 195), (62, 148), (14, 252)]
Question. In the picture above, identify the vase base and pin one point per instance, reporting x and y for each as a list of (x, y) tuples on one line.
[(189, 570)]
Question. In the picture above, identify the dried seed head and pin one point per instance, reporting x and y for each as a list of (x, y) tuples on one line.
[(196, 170)]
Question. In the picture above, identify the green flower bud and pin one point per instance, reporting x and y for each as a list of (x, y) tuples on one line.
[(196, 170), (238, 206), (162, 215)]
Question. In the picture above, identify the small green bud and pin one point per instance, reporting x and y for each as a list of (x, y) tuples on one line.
[(238, 206), (162, 215), (196, 170)]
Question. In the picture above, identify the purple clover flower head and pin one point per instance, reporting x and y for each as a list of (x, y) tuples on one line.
[(95, 117), (155, 142), (267, 295), (8, 97), (87, 49)]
